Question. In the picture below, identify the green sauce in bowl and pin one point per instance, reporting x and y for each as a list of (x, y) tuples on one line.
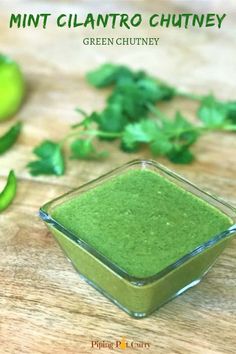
[(141, 234), (141, 221)]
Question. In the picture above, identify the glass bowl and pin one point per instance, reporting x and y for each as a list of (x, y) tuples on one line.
[(140, 296)]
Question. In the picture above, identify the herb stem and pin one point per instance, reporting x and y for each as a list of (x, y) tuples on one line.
[(230, 127), (91, 133), (157, 112), (204, 129), (189, 95)]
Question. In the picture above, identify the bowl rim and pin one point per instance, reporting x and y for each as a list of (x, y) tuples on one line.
[(44, 213)]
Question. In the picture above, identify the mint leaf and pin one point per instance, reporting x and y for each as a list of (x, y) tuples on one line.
[(9, 138), (50, 162)]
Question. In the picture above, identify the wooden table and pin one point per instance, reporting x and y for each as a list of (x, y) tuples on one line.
[(45, 306)]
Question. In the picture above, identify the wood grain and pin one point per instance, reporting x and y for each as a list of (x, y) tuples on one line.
[(44, 305)]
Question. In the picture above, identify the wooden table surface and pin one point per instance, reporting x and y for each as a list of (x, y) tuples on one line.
[(45, 306)]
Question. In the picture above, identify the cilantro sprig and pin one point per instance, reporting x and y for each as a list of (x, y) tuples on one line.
[(131, 115), (50, 159)]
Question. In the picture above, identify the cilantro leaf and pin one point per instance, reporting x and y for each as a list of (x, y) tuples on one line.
[(215, 113), (10, 137), (129, 149), (111, 119), (231, 111), (84, 149), (132, 102), (181, 155), (148, 132), (189, 133), (212, 112), (50, 162), (135, 98), (154, 91), (142, 132), (108, 74), (170, 138), (162, 145)]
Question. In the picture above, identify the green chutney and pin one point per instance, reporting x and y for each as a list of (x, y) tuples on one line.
[(141, 221)]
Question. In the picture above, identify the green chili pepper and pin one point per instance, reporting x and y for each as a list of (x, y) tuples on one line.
[(9, 191), (10, 137)]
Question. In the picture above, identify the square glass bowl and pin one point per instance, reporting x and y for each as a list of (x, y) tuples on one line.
[(140, 296)]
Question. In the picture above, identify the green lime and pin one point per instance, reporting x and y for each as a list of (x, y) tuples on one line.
[(12, 87)]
